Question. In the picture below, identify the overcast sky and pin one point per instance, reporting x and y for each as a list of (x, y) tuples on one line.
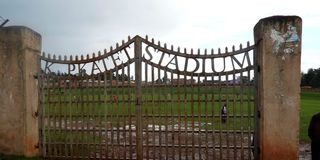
[(86, 26)]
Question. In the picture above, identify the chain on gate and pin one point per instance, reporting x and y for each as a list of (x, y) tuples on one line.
[(143, 100)]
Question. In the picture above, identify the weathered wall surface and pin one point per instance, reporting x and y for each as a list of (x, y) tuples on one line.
[(19, 51), (278, 86)]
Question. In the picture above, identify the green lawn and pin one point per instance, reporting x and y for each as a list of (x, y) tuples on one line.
[(310, 105), (309, 102)]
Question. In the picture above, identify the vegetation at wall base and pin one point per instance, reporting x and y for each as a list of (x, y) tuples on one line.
[(14, 157)]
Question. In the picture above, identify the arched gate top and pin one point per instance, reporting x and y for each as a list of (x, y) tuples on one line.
[(149, 44)]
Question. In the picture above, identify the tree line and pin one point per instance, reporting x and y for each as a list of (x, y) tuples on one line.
[(99, 76), (311, 78)]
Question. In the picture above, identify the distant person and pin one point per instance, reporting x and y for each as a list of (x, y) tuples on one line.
[(224, 113), (314, 135)]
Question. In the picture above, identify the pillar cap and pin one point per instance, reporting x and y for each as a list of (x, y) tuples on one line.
[(19, 28), (277, 18)]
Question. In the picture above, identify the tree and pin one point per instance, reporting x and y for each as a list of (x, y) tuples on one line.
[(311, 78)]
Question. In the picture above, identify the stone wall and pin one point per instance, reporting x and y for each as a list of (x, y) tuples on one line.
[(278, 41), (19, 62)]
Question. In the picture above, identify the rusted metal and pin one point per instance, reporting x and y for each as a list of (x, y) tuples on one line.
[(142, 100), (138, 76)]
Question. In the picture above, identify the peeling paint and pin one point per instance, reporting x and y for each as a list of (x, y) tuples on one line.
[(277, 39), (285, 42)]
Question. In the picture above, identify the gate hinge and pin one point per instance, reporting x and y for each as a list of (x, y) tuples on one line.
[(258, 68), (259, 114), (35, 76), (36, 145)]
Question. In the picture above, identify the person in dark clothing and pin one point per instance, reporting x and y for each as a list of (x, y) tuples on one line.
[(224, 113), (314, 135)]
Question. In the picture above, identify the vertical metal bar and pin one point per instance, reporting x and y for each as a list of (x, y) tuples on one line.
[(249, 87), (153, 114), (54, 114), (117, 112), (59, 148), (227, 128), (206, 116), (146, 109), (186, 114), (241, 114), (93, 111), (81, 115), (48, 115), (212, 117), (74, 113), (213, 127), (130, 113), (192, 117), (199, 115), (71, 142), (220, 116), (255, 110), (234, 105), (123, 113), (105, 111), (41, 101), (65, 105), (45, 118), (159, 114), (138, 61), (100, 114), (179, 115), (112, 115), (172, 118), (166, 113), (79, 111), (87, 106), (50, 84)]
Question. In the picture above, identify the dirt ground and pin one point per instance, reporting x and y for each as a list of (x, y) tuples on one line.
[(172, 138), (305, 151)]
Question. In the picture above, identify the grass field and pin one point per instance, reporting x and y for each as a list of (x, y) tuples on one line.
[(310, 105), (309, 102)]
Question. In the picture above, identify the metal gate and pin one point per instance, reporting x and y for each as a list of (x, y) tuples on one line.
[(147, 100)]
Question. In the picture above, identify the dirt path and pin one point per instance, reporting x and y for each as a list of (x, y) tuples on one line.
[(305, 151)]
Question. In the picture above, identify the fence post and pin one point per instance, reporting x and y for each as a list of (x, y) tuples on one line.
[(19, 54), (278, 54), (138, 61)]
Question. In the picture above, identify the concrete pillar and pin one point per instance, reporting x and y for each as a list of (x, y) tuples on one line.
[(19, 61), (278, 54)]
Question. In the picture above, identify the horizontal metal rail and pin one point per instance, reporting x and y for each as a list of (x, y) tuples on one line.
[(149, 116), (149, 130), (101, 102)]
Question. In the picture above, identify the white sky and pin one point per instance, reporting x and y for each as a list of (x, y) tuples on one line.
[(82, 27)]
